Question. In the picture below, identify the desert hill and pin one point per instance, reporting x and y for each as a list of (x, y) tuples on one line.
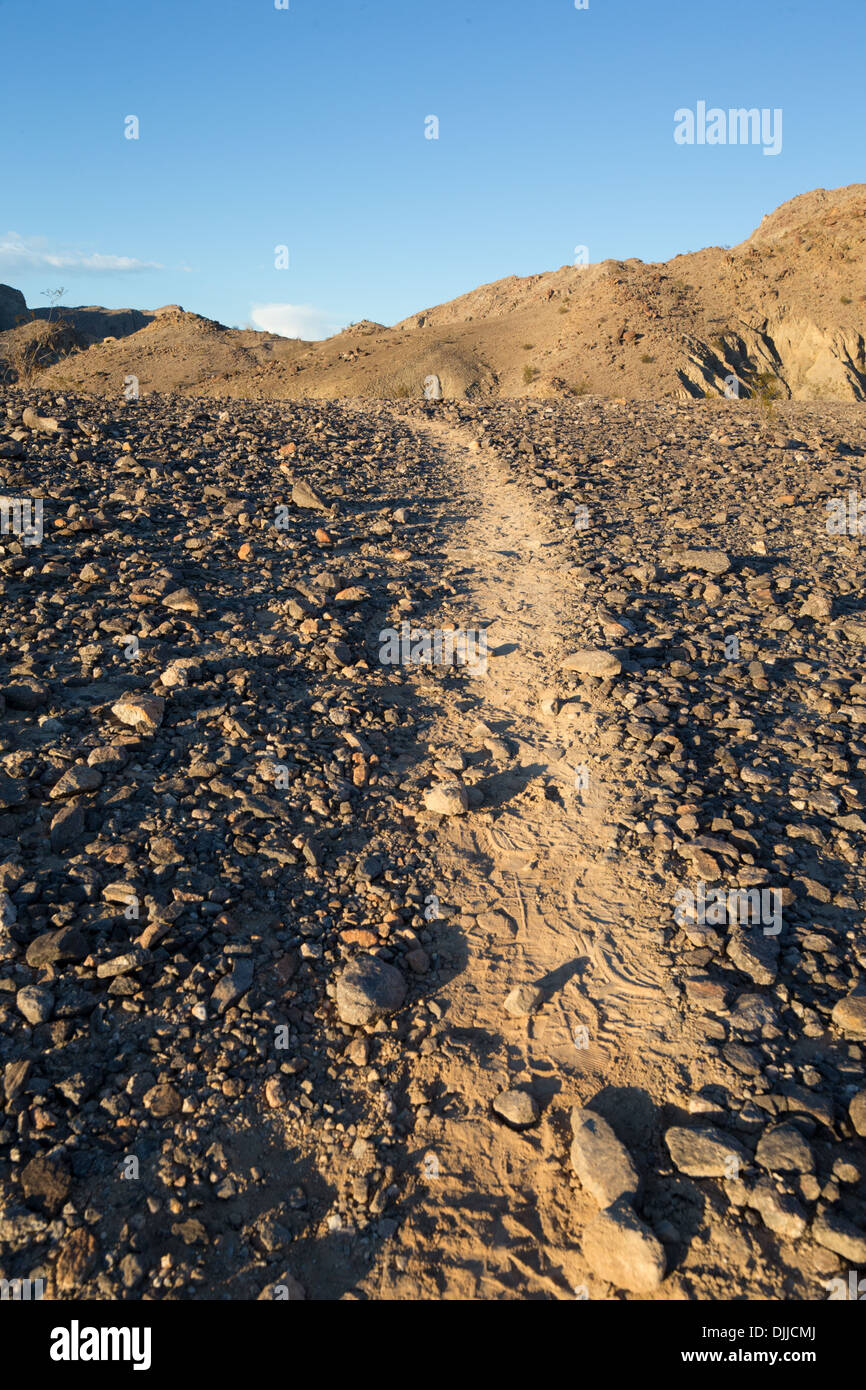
[(780, 313)]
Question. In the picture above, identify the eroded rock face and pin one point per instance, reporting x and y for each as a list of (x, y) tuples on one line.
[(796, 360), (817, 363), (13, 307)]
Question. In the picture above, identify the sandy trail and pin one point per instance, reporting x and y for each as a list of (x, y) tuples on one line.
[(541, 856)]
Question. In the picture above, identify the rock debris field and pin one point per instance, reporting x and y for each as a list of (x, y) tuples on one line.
[(324, 975)]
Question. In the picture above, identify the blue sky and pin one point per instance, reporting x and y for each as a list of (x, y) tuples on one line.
[(305, 127)]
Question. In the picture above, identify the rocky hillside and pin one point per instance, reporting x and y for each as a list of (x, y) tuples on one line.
[(779, 315)]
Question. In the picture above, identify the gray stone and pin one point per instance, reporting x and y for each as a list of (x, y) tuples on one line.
[(8, 910), (447, 799), (78, 778), (817, 606), (849, 1014), (705, 1152), (755, 954), (182, 601), (234, 985), (45, 424), (36, 1003), (602, 1163), (13, 792), (857, 1113), (369, 989), (15, 1078), (779, 1212), (784, 1150), (591, 662), (67, 826), (517, 1108), (523, 1000), (26, 693), (620, 1249), (706, 561), (337, 651), (304, 496), (122, 964), (835, 1232), (67, 943)]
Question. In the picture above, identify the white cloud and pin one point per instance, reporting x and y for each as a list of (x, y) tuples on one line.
[(294, 321), (35, 253)]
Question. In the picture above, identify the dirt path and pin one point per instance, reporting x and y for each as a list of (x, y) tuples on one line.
[(543, 900)]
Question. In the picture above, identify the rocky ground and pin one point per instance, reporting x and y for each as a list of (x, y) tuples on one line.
[(322, 977)]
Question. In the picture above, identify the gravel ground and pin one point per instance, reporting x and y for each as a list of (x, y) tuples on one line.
[(239, 999)]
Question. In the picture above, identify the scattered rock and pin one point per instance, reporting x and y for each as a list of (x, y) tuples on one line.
[(76, 1258), (523, 1000), (45, 1183), (603, 1164), (857, 1112), (707, 561), (79, 778), (780, 1212), (517, 1108), (622, 1251), (26, 693), (447, 799), (836, 1232), (784, 1150), (305, 496), (369, 989), (233, 986), (144, 712), (35, 1003), (705, 1152), (162, 1100), (593, 663), (849, 1014)]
